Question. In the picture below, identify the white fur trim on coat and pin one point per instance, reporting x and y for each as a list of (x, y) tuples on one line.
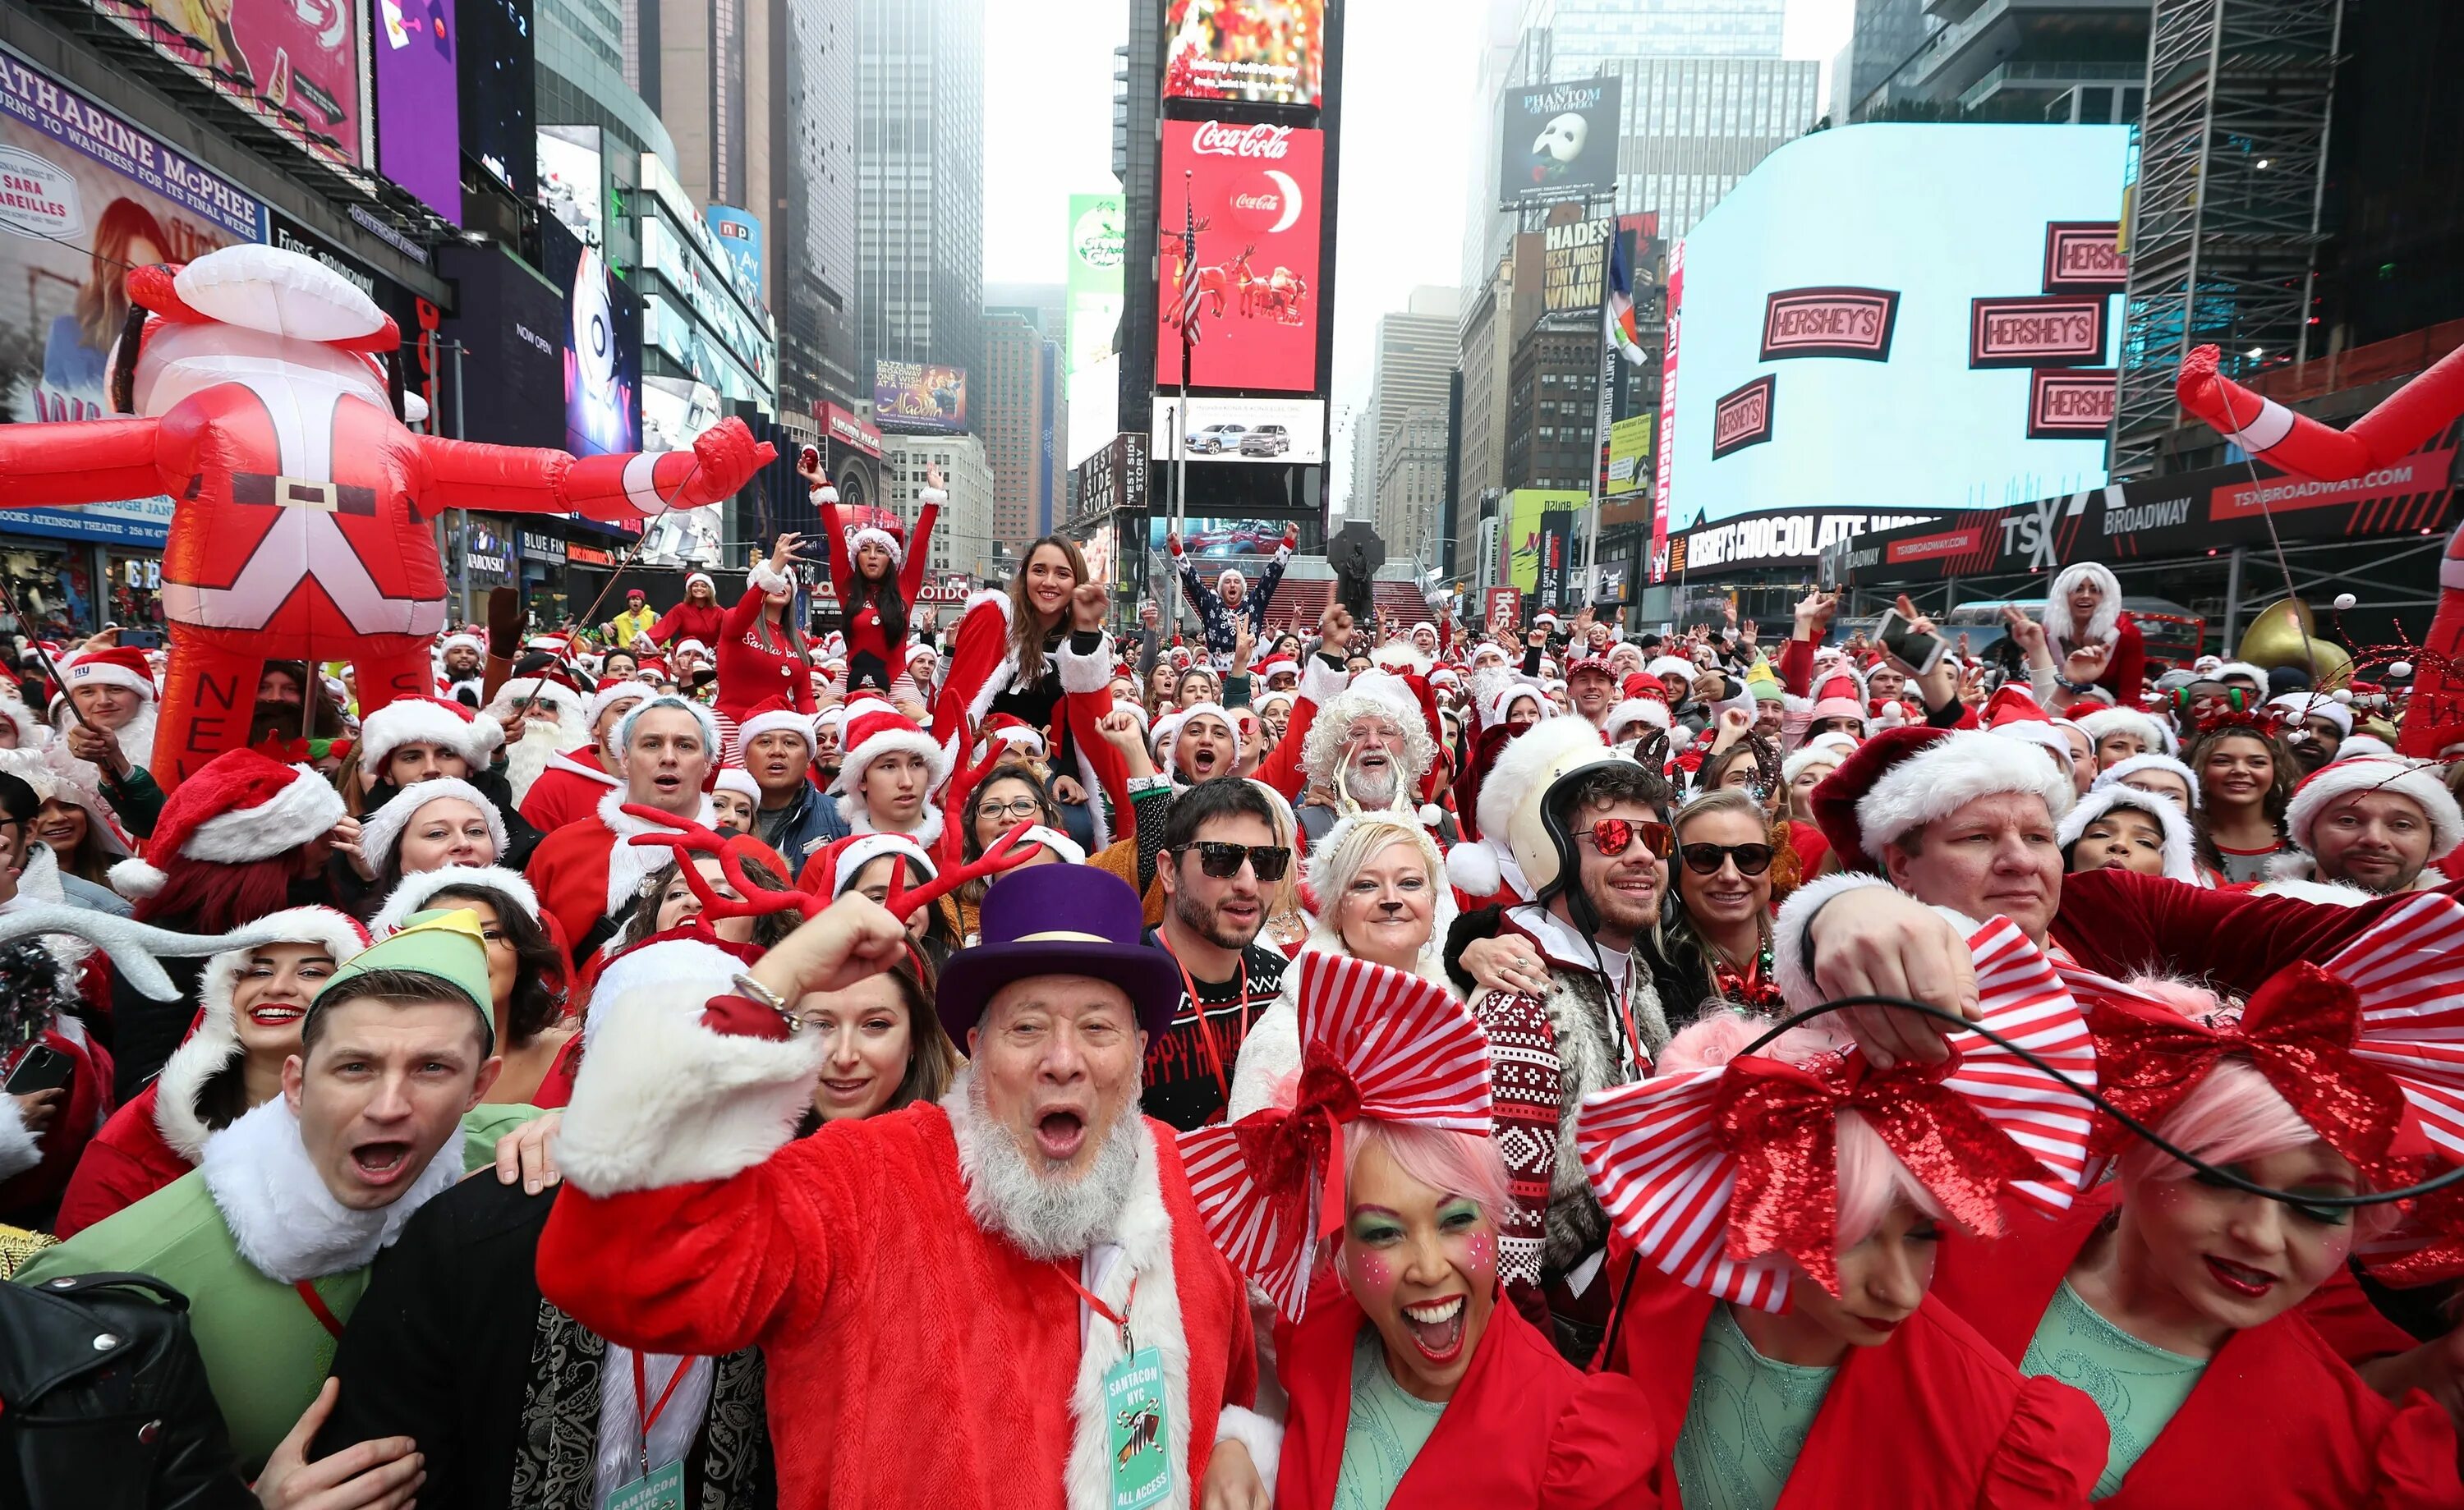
[(283, 1220), (306, 808), (213, 1044), (629, 863), (20, 1150), (2180, 860), (765, 577), (1787, 933), (1946, 776), (1322, 683), (859, 821), (1091, 672), (1141, 1279), (1262, 1437), (381, 830), (2417, 780), (660, 1099)]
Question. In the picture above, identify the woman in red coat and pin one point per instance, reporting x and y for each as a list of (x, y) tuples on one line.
[(696, 618), (2174, 1300), (251, 1003), (1409, 1385), (1785, 1213), (2084, 612), (760, 650), (877, 572)]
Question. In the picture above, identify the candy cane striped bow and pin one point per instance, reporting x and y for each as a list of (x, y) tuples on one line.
[(1720, 1177), (2368, 1048), (1374, 1042)]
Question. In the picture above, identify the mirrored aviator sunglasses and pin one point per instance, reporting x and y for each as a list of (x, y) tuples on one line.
[(1612, 837)]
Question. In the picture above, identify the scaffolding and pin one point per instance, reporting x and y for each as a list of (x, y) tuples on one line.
[(2225, 210)]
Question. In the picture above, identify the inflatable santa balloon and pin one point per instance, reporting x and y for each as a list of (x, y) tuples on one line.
[(255, 395)]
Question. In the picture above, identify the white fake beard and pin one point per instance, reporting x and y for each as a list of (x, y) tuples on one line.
[(1374, 793), (1047, 1216), (541, 739), (137, 737)]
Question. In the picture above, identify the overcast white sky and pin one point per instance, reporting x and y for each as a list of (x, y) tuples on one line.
[(1407, 145)]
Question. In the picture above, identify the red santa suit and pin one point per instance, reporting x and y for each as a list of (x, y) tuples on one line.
[(1932, 1418), (690, 620), (304, 508), (160, 1134), (2277, 1419), (870, 654), (588, 872), (913, 1357), (756, 664), (1074, 691), (1524, 1427), (568, 789)]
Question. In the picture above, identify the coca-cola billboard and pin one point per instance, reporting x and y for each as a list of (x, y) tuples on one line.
[(1251, 296)]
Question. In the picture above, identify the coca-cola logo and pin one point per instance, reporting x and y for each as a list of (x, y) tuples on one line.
[(1215, 139)]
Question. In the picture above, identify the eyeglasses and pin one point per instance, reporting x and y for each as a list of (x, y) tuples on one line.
[(1704, 860), (1222, 861), (1015, 807), (1612, 837)]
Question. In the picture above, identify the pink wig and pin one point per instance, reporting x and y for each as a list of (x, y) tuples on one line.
[(1463, 1163), (2233, 1115)]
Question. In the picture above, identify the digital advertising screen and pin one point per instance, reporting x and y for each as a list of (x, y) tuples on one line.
[(1899, 317), (603, 347), (1268, 52), (500, 91), (1250, 297), (511, 324), (298, 66), (1219, 539), (1559, 142), (1534, 517), (1255, 430), (1091, 320), (573, 181), (419, 115), (738, 233), (920, 398)]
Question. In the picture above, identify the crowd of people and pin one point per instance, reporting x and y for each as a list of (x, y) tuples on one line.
[(1044, 1062)]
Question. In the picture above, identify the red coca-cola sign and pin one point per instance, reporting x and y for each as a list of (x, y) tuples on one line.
[(1216, 139)]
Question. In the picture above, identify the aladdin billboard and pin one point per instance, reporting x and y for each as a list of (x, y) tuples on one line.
[(1902, 318), (1252, 297)]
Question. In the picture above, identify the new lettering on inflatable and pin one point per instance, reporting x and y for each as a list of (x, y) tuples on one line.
[(2435, 719), (257, 398)]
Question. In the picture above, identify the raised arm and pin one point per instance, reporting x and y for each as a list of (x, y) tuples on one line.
[(919, 540), (1255, 606), (518, 479), (825, 503), (79, 462)]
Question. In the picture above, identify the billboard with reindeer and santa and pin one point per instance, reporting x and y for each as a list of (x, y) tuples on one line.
[(1250, 295)]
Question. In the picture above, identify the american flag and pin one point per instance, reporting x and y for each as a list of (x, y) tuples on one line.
[(1190, 289)]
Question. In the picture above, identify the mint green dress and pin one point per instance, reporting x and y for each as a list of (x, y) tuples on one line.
[(1746, 1422), (2137, 1385), (1385, 1431)]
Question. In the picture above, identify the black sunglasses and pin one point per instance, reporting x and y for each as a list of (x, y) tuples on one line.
[(1222, 861), (1704, 860)]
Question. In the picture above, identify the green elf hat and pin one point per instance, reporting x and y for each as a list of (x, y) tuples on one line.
[(447, 947)]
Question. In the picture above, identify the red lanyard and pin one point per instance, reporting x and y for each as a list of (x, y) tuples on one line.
[(318, 1308), (650, 1415), (1206, 1030), (1120, 1318)]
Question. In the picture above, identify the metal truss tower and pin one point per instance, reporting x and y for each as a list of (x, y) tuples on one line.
[(2230, 177)]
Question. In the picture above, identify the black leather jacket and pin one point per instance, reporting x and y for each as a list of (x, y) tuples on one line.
[(103, 1402)]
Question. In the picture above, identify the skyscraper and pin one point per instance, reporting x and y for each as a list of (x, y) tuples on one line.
[(920, 129), (1009, 400), (1404, 439), (1695, 125), (1585, 34)]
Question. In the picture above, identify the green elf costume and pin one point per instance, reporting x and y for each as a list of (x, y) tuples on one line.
[(273, 1265)]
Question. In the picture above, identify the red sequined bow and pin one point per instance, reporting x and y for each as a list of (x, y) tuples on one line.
[(2298, 1030), (1374, 1042), (1781, 1122)]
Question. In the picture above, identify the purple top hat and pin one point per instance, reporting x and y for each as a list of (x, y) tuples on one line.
[(1058, 920)]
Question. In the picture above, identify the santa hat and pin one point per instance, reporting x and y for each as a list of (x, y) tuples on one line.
[(608, 695), (1264, 702), (1502, 701), (213, 1044), (551, 690), (1673, 666), (835, 868), (1651, 708), (1166, 730), (2011, 714), (1015, 731), (2298, 705), (1903, 779), (2150, 729), (2123, 770), (428, 720), (686, 648), (917, 650), (1211, 710), (461, 641), (831, 717), (1840, 697), (775, 716), (738, 780), (381, 830), (2180, 861), (1275, 666), (1592, 665), (2415, 779), (702, 577), (411, 896), (1829, 748), (1060, 843), (113, 666), (2361, 745), (2240, 668), (873, 729), (240, 806)]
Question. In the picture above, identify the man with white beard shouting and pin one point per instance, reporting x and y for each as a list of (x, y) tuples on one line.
[(1006, 1300)]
